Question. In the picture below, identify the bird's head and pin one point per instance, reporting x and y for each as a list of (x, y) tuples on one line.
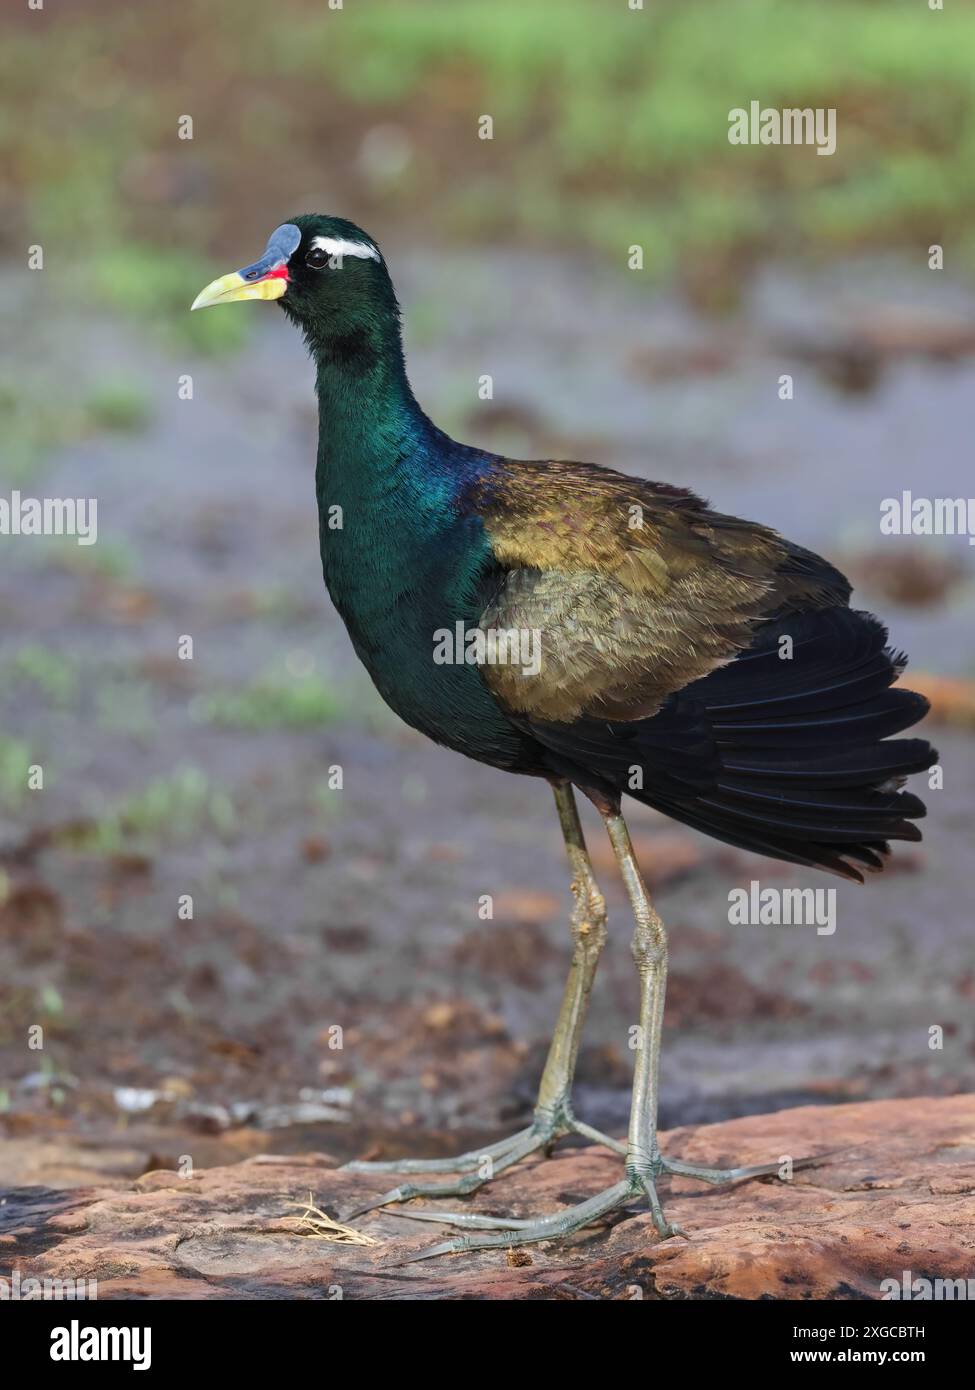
[(327, 273)]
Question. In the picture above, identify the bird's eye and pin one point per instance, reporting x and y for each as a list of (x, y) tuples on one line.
[(316, 258)]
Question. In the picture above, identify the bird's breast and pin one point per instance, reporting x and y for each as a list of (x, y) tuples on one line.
[(408, 605)]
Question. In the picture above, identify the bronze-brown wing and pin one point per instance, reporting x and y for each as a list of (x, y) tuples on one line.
[(634, 589)]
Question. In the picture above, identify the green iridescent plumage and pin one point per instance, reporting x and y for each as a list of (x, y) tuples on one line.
[(638, 593)]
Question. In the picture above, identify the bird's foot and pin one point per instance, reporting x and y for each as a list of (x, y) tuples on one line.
[(509, 1231), (640, 1182), (479, 1166)]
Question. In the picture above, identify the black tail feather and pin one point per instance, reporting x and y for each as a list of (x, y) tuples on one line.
[(782, 751)]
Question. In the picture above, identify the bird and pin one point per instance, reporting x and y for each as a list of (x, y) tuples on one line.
[(612, 636)]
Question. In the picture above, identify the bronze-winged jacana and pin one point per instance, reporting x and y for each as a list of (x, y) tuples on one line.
[(699, 663)]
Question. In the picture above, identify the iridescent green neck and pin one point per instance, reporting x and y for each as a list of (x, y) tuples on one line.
[(368, 417), (379, 456)]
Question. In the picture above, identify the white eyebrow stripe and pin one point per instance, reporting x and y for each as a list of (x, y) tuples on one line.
[(336, 247)]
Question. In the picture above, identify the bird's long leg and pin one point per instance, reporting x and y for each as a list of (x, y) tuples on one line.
[(553, 1116), (588, 925), (649, 948), (644, 1162)]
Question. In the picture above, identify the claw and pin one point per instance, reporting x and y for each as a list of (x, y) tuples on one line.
[(446, 1247), (394, 1195), (813, 1160)]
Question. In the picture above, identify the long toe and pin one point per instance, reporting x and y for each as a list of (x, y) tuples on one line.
[(462, 1163), (413, 1165), (526, 1231), (716, 1176), (468, 1219), (409, 1190)]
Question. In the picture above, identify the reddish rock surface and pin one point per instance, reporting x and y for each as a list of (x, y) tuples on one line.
[(895, 1192)]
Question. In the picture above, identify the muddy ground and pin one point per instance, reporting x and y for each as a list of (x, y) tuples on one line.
[(317, 909)]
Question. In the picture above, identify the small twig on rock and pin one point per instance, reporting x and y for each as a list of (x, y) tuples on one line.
[(317, 1226)]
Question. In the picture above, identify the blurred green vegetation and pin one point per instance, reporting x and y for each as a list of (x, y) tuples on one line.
[(16, 759), (610, 127), (113, 558), (49, 673), (125, 707), (30, 426), (34, 421), (271, 703), (149, 283), (117, 403), (175, 807)]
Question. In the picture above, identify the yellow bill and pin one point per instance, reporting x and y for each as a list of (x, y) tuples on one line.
[(265, 279), (233, 286)]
